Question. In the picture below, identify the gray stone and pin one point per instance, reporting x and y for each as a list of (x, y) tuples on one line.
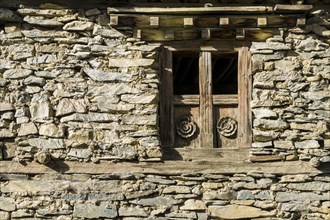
[(283, 144), (140, 99), (192, 204), (41, 21), (5, 106), (68, 106), (325, 159), (125, 63), (226, 195), (4, 215), (43, 59), (268, 57), (238, 212), (271, 124), (47, 143), (176, 190), (93, 12), (80, 153), (27, 129), (51, 130), (264, 113), (79, 26), (41, 110), (126, 152), (160, 180), (45, 12), (316, 95), (304, 196), (17, 73), (102, 76), (270, 46), (157, 201), (132, 211), (36, 33), (47, 74), (295, 207), (140, 119), (262, 144), (9, 16), (308, 144), (111, 89), (108, 33), (5, 133), (149, 142), (32, 80), (93, 211), (7, 204), (311, 44), (277, 75), (90, 117), (309, 186)]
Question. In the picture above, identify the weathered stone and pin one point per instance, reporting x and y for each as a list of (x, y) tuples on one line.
[(311, 44), (7, 204), (238, 212), (125, 63), (283, 144), (80, 153), (316, 95), (270, 46), (303, 196), (227, 195), (41, 21), (132, 211), (32, 80), (140, 119), (176, 190), (295, 207), (271, 124), (262, 144), (264, 113), (111, 89), (27, 129), (47, 74), (126, 152), (149, 142), (17, 73), (160, 180), (108, 33), (308, 144), (43, 157), (45, 12), (277, 75), (43, 59), (309, 186), (268, 57), (4, 106), (51, 130), (5, 133), (68, 106), (9, 16), (47, 143), (4, 215), (41, 110), (79, 26), (140, 99), (90, 117), (102, 76), (157, 201), (192, 204), (93, 211)]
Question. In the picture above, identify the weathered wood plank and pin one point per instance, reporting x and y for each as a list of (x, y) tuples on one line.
[(166, 100), (292, 8), (206, 102), (194, 100), (163, 168), (191, 10)]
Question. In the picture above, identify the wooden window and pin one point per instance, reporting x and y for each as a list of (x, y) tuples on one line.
[(205, 97)]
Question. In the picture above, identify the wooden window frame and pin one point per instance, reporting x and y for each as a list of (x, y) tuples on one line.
[(206, 101)]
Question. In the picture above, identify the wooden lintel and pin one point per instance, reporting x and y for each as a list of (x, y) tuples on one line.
[(191, 10), (154, 22), (301, 22), (223, 22), (164, 168), (113, 20), (292, 8), (206, 34), (137, 33), (188, 22), (262, 22), (240, 34)]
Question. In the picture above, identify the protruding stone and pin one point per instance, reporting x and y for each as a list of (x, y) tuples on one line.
[(125, 63), (47, 143), (68, 106), (79, 26), (238, 212), (27, 129), (43, 157), (95, 211), (51, 130), (7, 204), (17, 73), (5, 106), (9, 16), (192, 204), (308, 144), (102, 76)]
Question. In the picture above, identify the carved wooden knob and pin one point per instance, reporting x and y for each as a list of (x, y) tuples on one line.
[(227, 126), (186, 127)]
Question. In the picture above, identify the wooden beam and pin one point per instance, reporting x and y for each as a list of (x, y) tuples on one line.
[(169, 35), (206, 102), (188, 22), (165, 168), (192, 10), (113, 20), (262, 22), (223, 22), (292, 8), (154, 22)]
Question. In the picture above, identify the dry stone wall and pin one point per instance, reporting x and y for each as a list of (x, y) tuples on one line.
[(72, 88)]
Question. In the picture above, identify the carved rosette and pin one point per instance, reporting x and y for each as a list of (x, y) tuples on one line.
[(227, 126), (186, 127)]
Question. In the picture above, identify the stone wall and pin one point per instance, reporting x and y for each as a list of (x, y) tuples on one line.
[(156, 197), (74, 89)]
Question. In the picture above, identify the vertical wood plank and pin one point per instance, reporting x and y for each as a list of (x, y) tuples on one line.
[(166, 100), (244, 97), (206, 101)]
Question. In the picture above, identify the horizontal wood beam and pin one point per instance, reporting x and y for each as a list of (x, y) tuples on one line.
[(164, 168), (292, 8), (191, 10)]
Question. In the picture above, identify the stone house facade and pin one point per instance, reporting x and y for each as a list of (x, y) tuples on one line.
[(156, 109)]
